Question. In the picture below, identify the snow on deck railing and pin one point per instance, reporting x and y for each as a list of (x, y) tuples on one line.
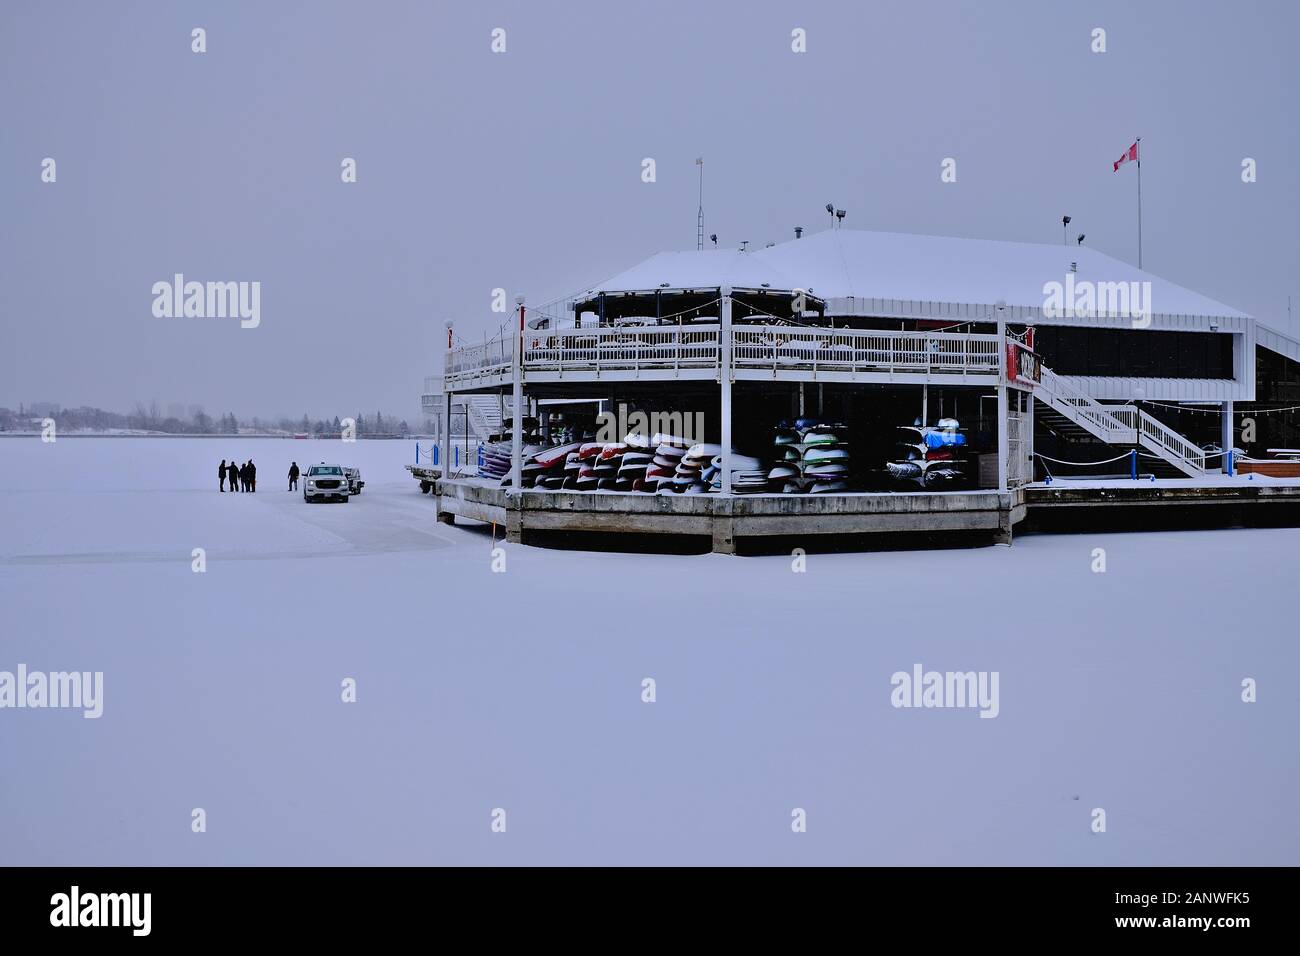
[(753, 346), (865, 350), (480, 359), (670, 347)]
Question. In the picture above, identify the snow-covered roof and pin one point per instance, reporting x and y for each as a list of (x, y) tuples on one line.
[(704, 269), (844, 263)]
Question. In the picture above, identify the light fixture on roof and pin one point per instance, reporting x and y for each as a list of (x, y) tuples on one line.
[(1065, 238), (663, 285), (714, 237), (798, 232), (839, 214), (743, 244), (1080, 239), (830, 208)]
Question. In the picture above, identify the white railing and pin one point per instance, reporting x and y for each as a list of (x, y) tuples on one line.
[(670, 347), (1170, 445), (1120, 424), (484, 415), (480, 360), (863, 350), (1020, 441), (1113, 424)]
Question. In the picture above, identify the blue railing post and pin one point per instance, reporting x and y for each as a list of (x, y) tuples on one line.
[(455, 457), (435, 454), (480, 454), (1134, 460), (417, 451), (1231, 464)]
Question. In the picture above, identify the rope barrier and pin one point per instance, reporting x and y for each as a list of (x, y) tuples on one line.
[(1108, 461)]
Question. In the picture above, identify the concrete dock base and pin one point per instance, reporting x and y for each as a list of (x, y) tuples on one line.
[(725, 524), (746, 523), (1162, 505)]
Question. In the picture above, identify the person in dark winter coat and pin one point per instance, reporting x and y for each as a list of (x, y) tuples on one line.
[(243, 477), (221, 475), (252, 476), (232, 474), (293, 476)]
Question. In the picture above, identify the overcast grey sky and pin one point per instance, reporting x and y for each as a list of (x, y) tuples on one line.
[(522, 170)]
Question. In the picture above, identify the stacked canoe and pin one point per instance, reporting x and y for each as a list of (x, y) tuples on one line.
[(931, 457), (812, 457), (661, 463)]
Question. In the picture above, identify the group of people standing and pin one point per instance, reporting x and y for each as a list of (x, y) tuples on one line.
[(241, 477), (244, 477)]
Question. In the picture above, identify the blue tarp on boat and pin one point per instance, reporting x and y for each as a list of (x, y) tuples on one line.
[(944, 439)]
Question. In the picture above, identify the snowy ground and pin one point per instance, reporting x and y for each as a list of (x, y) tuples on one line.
[(522, 690)]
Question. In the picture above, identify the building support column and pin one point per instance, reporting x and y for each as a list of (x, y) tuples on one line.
[(515, 519), (444, 457), (724, 343), (1027, 436), (1226, 439), (1004, 533), (444, 436), (517, 393), (1004, 445), (1003, 410), (724, 539)]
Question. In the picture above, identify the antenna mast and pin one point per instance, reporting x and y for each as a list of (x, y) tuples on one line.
[(699, 218)]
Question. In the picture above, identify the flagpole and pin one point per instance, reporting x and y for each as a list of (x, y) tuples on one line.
[(1139, 162)]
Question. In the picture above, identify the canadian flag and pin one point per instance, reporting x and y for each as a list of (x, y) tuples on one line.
[(1130, 153)]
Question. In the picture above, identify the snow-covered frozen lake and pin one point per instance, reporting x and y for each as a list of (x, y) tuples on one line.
[(523, 690)]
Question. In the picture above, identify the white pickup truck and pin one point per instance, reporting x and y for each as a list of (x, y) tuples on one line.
[(326, 481)]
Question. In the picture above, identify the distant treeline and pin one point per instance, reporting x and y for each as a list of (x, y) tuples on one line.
[(149, 418)]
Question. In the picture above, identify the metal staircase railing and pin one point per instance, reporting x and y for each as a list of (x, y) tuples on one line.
[(1109, 423), (1120, 424), (484, 415), (1157, 437)]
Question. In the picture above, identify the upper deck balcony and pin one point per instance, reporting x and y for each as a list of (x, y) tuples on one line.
[(772, 352)]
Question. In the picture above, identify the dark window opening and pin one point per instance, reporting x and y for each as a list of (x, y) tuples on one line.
[(1133, 353)]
